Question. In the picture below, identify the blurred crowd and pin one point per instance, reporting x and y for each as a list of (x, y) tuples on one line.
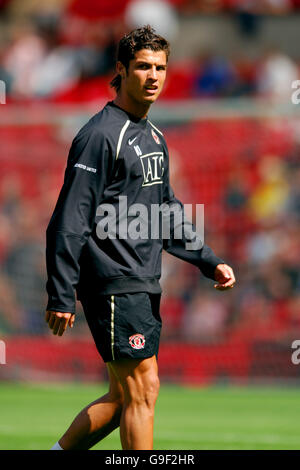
[(47, 50), (256, 229), (252, 205), (252, 221)]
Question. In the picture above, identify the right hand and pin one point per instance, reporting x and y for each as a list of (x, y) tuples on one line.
[(58, 321)]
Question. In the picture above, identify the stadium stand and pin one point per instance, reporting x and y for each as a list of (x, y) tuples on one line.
[(241, 160)]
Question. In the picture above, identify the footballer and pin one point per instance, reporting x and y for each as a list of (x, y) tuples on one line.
[(119, 155)]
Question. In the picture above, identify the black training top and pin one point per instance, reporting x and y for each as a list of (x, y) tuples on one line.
[(116, 161)]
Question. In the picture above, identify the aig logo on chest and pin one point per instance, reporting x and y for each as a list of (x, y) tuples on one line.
[(153, 168)]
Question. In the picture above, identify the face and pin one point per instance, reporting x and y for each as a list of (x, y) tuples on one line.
[(146, 74)]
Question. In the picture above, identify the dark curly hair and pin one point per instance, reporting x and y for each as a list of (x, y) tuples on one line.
[(140, 38)]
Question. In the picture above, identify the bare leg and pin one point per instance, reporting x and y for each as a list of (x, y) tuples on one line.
[(96, 420), (139, 379)]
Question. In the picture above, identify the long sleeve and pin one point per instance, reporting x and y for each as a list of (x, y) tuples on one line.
[(189, 247), (73, 218)]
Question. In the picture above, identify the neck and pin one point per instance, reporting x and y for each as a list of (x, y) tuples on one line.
[(139, 110)]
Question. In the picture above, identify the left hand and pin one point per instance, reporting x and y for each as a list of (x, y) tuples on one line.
[(224, 276), (58, 321)]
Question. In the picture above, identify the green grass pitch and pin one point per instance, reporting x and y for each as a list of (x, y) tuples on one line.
[(33, 417)]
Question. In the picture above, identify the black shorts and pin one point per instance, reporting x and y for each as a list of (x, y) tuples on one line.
[(124, 325)]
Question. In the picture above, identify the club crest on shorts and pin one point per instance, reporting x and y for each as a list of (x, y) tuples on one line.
[(155, 137), (137, 341)]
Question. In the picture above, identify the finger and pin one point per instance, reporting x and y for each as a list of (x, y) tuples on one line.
[(228, 276), (47, 316), (52, 319), (56, 324), (228, 285), (223, 274), (63, 325), (228, 273), (71, 321)]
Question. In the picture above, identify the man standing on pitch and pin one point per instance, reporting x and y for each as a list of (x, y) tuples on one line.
[(120, 156)]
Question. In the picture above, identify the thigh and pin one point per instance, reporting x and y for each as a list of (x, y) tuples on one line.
[(136, 374)]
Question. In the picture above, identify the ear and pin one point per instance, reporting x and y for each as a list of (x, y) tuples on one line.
[(120, 69)]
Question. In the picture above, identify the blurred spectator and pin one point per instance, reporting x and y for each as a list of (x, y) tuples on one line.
[(276, 282), (275, 75), (294, 309), (10, 196), (248, 15), (254, 317), (158, 13), (5, 236), (11, 315), (24, 268), (4, 74), (23, 58), (205, 318), (216, 76), (60, 69), (97, 55), (288, 253), (263, 246), (246, 73), (237, 191), (278, 7), (293, 203), (270, 197), (11, 200), (177, 281)]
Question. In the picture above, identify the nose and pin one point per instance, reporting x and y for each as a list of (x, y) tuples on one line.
[(153, 73)]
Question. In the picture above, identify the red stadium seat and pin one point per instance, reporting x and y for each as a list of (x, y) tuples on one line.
[(95, 10)]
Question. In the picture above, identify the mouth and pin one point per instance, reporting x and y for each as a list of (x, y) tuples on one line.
[(152, 89)]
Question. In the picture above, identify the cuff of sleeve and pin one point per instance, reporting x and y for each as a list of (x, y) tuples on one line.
[(208, 268), (60, 308)]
